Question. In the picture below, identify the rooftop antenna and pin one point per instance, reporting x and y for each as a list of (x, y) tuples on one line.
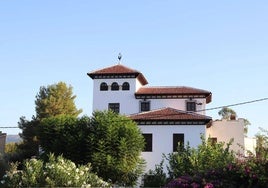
[(119, 58)]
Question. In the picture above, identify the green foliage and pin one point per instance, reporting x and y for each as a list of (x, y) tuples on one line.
[(226, 113), (57, 172), (55, 100), (206, 156), (67, 135), (156, 177), (51, 101), (110, 142), (262, 144), (29, 146), (213, 165), (117, 144), (11, 147), (3, 165)]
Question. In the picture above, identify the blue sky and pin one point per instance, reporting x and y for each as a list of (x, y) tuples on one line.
[(220, 46)]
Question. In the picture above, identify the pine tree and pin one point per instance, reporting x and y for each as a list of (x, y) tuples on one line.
[(56, 99)]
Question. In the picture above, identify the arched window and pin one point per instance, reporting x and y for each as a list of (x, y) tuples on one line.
[(103, 86), (125, 86), (115, 86)]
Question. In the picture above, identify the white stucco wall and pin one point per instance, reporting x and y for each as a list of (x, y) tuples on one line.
[(250, 145), (128, 103), (126, 98), (179, 104), (225, 130), (163, 140)]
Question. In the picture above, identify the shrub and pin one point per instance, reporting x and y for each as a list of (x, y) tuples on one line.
[(208, 155), (112, 143), (212, 165), (57, 172), (156, 177)]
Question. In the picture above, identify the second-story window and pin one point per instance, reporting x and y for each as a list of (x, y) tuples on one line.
[(114, 107), (103, 86), (145, 106), (191, 106), (115, 86), (125, 86)]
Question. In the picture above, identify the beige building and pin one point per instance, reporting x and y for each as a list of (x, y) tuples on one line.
[(2, 142), (226, 130)]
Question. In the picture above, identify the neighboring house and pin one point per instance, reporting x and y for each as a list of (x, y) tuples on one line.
[(2, 142), (227, 130), (166, 115)]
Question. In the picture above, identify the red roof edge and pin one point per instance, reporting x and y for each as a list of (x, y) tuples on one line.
[(209, 98)]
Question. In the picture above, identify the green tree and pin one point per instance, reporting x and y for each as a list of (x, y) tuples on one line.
[(29, 146), (55, 100), (117, 144), (112, 143), (262, 144), (226, 113), (67, 135)]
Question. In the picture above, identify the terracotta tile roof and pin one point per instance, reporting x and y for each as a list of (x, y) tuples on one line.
[(119, 70), (169, 114), (183, 90)]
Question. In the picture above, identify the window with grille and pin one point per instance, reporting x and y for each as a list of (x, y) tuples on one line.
[(114, 86), (191, 106), (145, 106), (125, 86), (103, 86), (178, 141), (148, 138), (114, 107)]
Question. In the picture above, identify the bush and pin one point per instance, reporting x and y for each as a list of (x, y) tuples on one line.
[(112, 143), (57, 172), (156, 177), (212, 165), (208, 155), (3, 165)]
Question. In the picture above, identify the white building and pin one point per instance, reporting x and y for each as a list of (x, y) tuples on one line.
[(166, 115)]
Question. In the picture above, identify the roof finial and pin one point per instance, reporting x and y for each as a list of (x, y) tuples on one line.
[(119, 58)]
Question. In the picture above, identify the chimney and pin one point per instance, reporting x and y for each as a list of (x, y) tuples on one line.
[(233, 117)]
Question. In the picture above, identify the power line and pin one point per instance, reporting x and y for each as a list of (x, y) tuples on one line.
[(185, 112), (9, 127), (236, 104)]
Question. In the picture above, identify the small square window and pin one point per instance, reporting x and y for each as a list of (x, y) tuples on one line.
[(145, 106), (148, 138), (114, 107), (191, 106)]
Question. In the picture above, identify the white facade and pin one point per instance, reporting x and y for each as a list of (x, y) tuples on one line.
[(163, 140), (128, 103), (175, 98)]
